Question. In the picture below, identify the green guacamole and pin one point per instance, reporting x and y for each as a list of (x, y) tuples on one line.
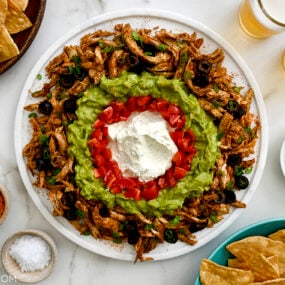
[(96, 99)]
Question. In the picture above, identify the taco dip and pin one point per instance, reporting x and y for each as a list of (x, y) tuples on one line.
[(141, 137)]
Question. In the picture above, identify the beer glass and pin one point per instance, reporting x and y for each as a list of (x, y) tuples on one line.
[(262, 18)]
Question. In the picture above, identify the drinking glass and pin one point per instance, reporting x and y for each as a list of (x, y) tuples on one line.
[(262, 18)]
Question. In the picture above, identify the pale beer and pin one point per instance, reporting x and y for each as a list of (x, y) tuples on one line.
[(262, 18)]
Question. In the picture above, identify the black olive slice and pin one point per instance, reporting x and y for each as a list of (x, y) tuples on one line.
[(241, 182), (45, 107)]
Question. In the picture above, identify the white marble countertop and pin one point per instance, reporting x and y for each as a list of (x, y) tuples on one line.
[(76, 265)]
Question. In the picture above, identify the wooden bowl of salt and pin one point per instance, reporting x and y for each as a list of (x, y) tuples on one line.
[(29, 256)]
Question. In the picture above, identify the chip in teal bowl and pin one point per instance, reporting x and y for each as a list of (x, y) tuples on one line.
[(263, 228)]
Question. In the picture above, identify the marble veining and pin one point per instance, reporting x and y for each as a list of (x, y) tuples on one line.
[(76, 265)]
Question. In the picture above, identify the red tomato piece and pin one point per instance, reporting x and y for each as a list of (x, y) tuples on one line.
[(115, 189), (181, 122), (99, 160), (127, 182), (131, 104), (117, 105), (150, 192), (179, 172), (173, 119), (162, 105), (110, 179), (174, 109), (176, 136), (106, 153), (97, 173), (170, 177), (98, 124), (162, 183), (133, 193), (107, 115), (178, 158)]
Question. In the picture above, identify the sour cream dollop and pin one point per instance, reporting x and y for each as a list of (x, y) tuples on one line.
[(142, 145)]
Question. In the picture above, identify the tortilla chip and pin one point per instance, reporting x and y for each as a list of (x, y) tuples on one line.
[(279, 235), (260, 266), (22, 4), (3, 11), (16, 20), (264, 246), (279, 281), (9, 48), (212, 273)]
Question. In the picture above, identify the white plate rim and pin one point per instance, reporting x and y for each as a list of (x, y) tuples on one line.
[(168, 16)]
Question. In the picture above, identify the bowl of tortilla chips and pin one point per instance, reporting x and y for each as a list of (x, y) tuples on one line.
[(19, 24), (253, 255)]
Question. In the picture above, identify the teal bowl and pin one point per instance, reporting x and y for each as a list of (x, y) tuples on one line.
[(263, 228)]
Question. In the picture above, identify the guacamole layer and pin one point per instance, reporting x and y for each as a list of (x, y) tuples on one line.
[(96, 99)]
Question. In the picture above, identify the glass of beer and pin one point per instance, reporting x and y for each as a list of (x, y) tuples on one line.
[(262, 18)]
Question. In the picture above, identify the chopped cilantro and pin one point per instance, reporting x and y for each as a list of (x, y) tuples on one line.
[(175, 221), (248, 170), (32, 115), (137, 37), (238, 171), (43, 139), (80, 214), (39, 76), (161, 47), (236, 89), (216, 88), (116, 237)]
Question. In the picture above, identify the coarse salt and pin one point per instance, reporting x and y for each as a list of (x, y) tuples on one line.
[(30, 252)]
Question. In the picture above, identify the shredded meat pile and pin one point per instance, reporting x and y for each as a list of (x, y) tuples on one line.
[(160, 52)]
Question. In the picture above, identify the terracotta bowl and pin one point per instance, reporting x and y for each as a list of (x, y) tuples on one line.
[(4, 194)]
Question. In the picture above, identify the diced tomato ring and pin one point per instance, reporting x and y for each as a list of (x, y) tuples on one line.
[(109, 170)]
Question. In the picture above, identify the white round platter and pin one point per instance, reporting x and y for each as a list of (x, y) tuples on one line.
[(139, 18)]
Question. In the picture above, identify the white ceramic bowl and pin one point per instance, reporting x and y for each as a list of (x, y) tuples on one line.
[(12, 267)]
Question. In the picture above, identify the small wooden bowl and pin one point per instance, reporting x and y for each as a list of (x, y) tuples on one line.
[(4, 195), (12, 267)]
